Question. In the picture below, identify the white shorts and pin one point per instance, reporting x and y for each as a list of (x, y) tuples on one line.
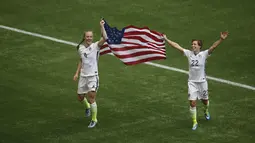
[(87, 84), (198, 90)]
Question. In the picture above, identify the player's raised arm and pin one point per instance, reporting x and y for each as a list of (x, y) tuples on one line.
[(223, 36), (103, 33), (173, 44)]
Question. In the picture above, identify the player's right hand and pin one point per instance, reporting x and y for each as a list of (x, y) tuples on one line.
[(102, 22), (75, 77)]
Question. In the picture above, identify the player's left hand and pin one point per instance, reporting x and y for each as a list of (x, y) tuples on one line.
[(223, 35), (164, 37)]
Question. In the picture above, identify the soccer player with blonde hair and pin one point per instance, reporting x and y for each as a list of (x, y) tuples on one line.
[(88, 69)]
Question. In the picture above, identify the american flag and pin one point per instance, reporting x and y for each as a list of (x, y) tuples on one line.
[(133, 45)]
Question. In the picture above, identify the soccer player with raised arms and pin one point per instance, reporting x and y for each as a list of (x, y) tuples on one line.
[(88, 69), (197, 83)]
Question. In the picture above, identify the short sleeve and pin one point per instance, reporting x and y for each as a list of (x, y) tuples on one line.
[(96, 45), (186, 52), (79, 50), (206, 53)]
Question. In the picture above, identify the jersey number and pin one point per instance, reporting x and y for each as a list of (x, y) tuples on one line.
[(194, 63), (205, 93)]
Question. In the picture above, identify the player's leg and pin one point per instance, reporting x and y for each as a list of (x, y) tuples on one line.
[(193, 95), (206, 109), (93, 87), (82, 90), (84, 101), (203, 87), (93, 104), (193, 113)]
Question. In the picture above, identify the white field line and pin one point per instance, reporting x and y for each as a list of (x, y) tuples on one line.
[(148, 63)]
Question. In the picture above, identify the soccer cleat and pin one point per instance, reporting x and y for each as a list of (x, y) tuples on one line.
[(92, 124), (207, 116), (87, 112), (194, 126)]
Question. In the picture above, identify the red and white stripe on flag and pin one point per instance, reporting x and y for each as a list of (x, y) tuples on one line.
[(137, 45)]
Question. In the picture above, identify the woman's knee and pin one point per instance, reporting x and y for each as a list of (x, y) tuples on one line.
[(92, 96), (192, 103), (81, 97)]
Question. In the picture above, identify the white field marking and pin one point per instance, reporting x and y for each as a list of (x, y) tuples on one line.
[(148, 63)]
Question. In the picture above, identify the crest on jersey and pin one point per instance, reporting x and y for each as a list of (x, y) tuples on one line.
[(85, 55)]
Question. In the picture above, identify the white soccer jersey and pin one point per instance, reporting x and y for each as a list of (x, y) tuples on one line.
[(90, 57), (196, 65)]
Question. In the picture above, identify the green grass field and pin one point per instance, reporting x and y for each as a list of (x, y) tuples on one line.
[(137, 104)]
